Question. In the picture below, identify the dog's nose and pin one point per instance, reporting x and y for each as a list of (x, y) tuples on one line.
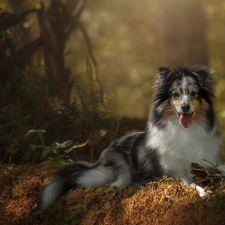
[(185, 108)]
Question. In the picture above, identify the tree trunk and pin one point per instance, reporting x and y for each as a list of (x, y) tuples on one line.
[(56, 24)]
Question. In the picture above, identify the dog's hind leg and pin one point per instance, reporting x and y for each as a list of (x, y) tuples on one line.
[(122, 178), (120, 168)]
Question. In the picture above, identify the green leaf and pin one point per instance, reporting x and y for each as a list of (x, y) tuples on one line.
[(54, 150), (75, 146), (4, 34), (30, 132), (55, 145), (68, 150), (34, 147), (66, 144), (45, 152)]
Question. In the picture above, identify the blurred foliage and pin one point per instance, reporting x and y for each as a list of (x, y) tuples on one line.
[(52, 152), (72, 68)]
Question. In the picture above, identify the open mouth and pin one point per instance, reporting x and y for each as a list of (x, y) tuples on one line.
[(185, 119)]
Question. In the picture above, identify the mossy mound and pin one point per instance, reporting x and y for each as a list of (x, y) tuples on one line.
[(165, 202)]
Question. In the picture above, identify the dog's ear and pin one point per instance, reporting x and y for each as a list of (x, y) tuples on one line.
[(203, 74), (163, 73)]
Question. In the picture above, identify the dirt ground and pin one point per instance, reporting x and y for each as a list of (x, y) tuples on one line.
[(166, 202)]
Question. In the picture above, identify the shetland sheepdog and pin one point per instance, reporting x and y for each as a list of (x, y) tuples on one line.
[(182, 129)]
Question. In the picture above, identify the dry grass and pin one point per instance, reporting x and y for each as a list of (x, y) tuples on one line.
[(166, 202)]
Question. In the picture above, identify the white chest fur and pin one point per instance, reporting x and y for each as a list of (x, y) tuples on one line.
[(193, 144)]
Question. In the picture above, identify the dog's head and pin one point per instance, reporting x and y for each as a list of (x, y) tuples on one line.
[(186, 93)]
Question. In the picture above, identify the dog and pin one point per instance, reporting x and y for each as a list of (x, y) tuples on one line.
[(182, 129)]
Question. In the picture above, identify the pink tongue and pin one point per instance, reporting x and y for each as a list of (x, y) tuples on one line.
[(185, 120)]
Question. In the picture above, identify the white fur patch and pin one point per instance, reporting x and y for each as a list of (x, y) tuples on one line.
[(179, 147), (184, 84), (95, 177), (194, 144)]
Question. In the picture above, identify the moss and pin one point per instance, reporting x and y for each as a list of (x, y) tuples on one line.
[(74, 214), (217, 201), (165, 202)]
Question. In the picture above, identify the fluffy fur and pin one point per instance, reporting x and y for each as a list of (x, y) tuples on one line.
[(182, 129)]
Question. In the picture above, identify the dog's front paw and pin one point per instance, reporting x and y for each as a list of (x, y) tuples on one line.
[(201, 191)]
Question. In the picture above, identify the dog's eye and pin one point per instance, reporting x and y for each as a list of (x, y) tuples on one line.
[(194, 93), (176, 95)]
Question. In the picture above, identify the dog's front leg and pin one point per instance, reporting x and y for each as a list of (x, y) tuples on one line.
[(179, 168)]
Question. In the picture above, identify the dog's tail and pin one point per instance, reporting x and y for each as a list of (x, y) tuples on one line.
[(79, 174)]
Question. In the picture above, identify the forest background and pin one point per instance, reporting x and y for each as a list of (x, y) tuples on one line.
[(75, 74)]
